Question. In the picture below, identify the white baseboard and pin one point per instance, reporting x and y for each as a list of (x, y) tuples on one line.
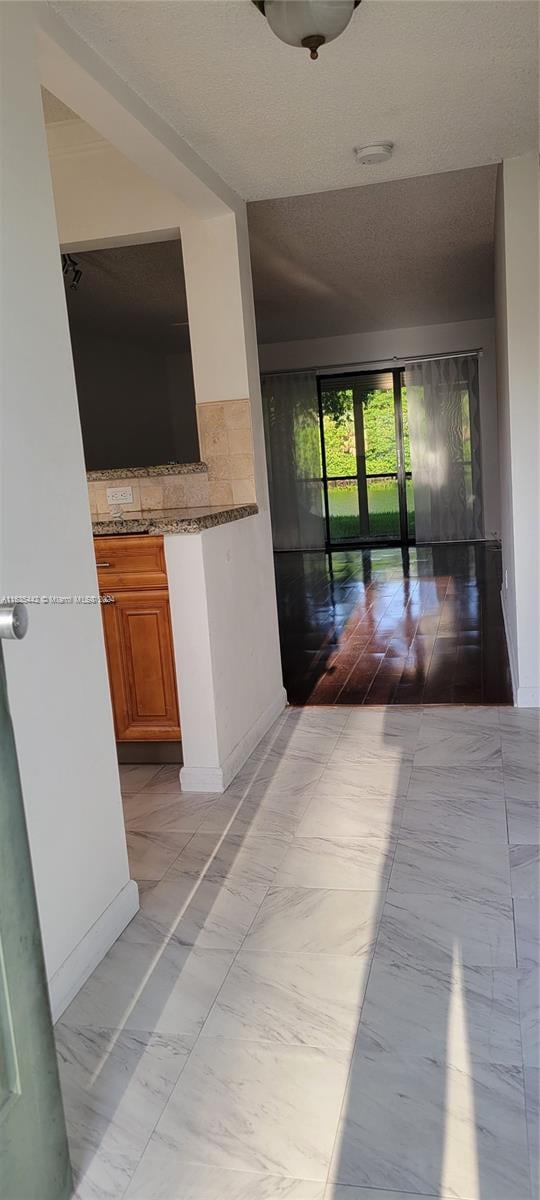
[(524, 697), (511, 650), (527, 697), (217, 779), (75, 970), (202, 779)]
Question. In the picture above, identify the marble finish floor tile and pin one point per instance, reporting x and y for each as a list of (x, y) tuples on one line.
[(346, 804), (279, 770), (441, 743), (521, 739), (213, 916), (525, 870), (278, 815), (281, 795), (134, 776), (379, 735), (460, 718), (151, 854), (251, 858), (316, 921), (521, 780), (146, 885), (369, 778), (467, 1013), (115, 1086), (330, 719), (352, 893), (430, 929), (419, 1124), (154, 813), (350, 863), (295, 741), (163, 1175), (296, 999), (253, 1107), (532, 1104), (529, 1004), (527, 922), (520, 723), (335, 1191), (169, 989), (473, 870), (394, 725), (523, 817), (455, 802), (165, 782)]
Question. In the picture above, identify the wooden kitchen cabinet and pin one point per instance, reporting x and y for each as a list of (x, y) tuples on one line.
[(138, 638)]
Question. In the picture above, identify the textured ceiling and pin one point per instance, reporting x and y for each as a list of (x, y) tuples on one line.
[(411, 252), (453, 83), (132, 292)]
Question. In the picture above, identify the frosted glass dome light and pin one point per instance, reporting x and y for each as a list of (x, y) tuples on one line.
[(308, 23)]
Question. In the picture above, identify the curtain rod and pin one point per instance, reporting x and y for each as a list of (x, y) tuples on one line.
[(382, 363)]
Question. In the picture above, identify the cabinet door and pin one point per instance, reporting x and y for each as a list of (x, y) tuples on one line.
[(140, 656)]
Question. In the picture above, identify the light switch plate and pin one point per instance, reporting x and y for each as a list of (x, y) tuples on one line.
[(120, 495)]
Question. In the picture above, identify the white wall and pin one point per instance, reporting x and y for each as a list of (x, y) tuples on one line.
[(181, 399), (224, 619), (57, 679), (228, 665), (385, 344), (246, 669), (517, 309), (101, 198)]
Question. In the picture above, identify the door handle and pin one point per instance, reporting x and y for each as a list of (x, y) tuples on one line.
[(103, 564), (13, 620)]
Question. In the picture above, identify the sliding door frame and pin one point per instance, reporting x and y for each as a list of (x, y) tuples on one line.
[(400, 475), (397, 380)]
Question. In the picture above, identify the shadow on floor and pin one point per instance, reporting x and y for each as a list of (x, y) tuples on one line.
[(318, 999)]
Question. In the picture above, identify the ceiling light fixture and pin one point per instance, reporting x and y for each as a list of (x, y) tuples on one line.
[(307, 23), (70, 267)]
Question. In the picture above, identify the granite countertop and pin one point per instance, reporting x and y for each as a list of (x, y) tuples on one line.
[(170, 520), (193, 468)]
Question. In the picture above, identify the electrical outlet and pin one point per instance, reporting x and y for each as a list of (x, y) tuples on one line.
[(120, 495)]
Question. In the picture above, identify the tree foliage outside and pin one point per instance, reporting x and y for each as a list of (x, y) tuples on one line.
[(380, 452), (379, 432)]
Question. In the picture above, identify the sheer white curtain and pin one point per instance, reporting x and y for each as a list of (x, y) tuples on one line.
[(293, 454), (444, 429)]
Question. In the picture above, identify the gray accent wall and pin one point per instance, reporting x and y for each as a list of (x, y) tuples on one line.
[(136, 402)]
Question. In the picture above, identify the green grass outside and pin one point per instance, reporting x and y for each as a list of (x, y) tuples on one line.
[(383, 509)]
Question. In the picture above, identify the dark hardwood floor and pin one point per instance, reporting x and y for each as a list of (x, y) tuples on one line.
[(393, 626)]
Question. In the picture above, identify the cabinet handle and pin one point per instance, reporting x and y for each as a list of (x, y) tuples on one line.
[(103, 564)]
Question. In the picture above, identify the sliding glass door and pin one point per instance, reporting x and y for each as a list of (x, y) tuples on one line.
[(366, 458), (340, 467)]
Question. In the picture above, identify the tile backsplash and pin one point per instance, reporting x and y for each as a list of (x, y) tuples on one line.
[(226, 445), (152, 491)]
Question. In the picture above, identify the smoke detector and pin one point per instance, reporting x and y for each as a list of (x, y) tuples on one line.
[(368, 155)]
